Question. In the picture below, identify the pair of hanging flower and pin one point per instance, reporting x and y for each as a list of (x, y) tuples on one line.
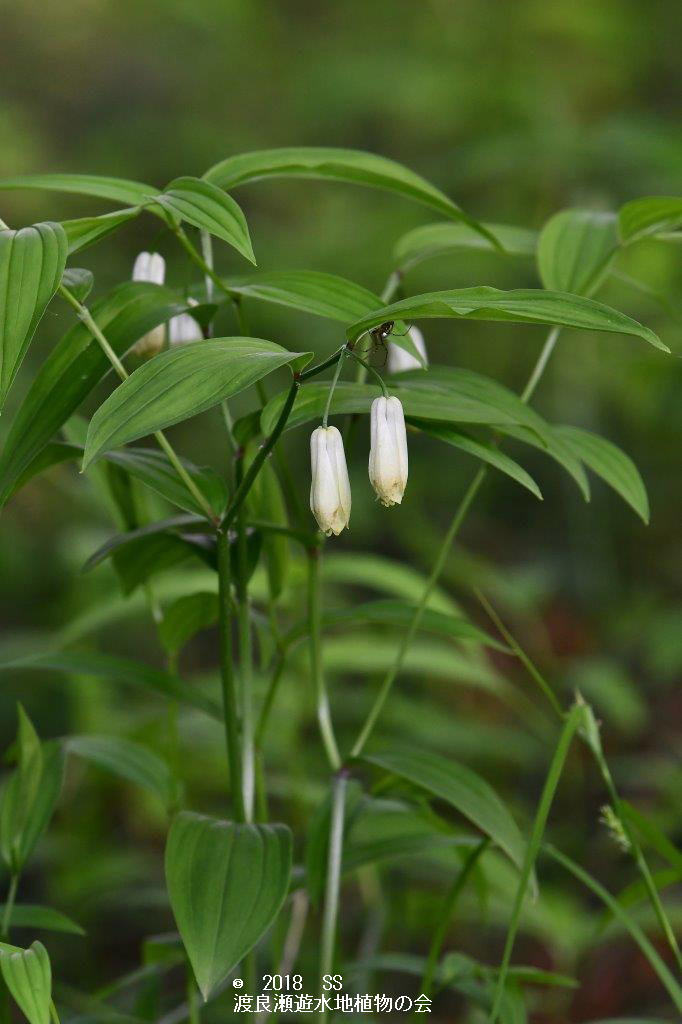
[(330, 497)]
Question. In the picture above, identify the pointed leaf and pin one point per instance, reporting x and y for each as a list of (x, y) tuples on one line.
[(462, 788), (119, 190), (401, 613), (208, 207), (84, 231), (485, 452), (31, 915), (433, 240), (611, 464), (226, 884), (649, 216), (28, 976), (75, 366), (521, 305), (575, 250), (152, 468), (347, 165), (181, 383), (31, 265), (310, 291), (553, 445), (119, 670), (128, 760), (29, 796)]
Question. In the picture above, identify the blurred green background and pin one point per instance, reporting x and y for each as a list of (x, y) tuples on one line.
[(516, 111)]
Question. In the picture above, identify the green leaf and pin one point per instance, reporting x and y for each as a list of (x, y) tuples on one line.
[(571, 724), (181, 383), (462, 788), (226, 884), (185, 618), (79, 281), (443, 394), (32, 261), (648, 950), (520, 305), (138, 559), (84, 231), (432, 240), (119, 670), (32, 915), (400, 613), (151, 467), (390, 830), (347, 165), (29, 796), (209, 208), (119, 190), (75, 366), (649, 216), (309, 291), (128, 760), (611, 464), (485, 452), (28, 976), (575, 250), (553, 445)]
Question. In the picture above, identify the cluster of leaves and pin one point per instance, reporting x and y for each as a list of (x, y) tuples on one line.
[(221, 872)]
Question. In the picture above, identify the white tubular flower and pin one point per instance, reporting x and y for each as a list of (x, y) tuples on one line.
[(388, 451), (150, 267), (183, 328), (330, 486), (399, 359)]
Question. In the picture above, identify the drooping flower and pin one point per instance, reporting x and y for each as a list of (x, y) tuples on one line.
[(388, 451), (399, 359), (183, 328), (150, 267), (330, 498)]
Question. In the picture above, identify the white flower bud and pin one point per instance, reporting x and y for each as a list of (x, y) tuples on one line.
[(399, 359), (183, 328), (330, 486), (388, 451), (150, 267)]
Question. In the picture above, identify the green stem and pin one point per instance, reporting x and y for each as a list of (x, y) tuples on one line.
[(334, 859), (571, 724), (520, 654), (192, 1001), (275, 679), (230, 711), (370, 369), (245, 658), (332, 386), (86, 317), (196, 256), (447, 912), (316, 668), (409, 634), (9, 905), (541, 364), (263, 452)]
